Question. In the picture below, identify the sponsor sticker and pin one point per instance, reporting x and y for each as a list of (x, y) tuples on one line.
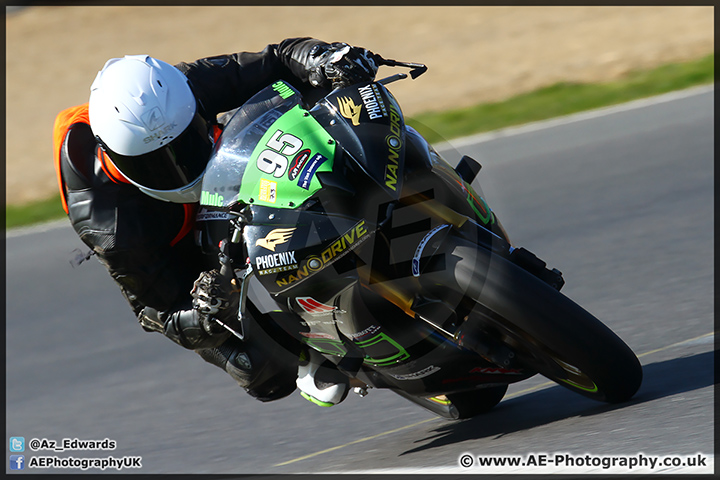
[(373, 102), (205, 215), (357, 235), (309, 171), (317, 335), (276, 237), (416, 375), (349, 110), (394, 144), (495, 370), (313, 307), (211, 199), (283, 89), (268, 191), (276, 263), (298, 163), (421, 247), (372, 329)]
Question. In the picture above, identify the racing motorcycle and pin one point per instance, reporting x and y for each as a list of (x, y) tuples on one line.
[(351, 236)]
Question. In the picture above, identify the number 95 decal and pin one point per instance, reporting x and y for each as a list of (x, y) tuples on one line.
[(273, 160)]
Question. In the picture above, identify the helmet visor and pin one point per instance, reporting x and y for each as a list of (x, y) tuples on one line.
[(177, 164)]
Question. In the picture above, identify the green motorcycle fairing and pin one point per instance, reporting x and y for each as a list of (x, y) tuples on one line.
[(270, 158)]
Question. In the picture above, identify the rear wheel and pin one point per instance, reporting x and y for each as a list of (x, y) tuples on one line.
[(461, 405), (477, 402)]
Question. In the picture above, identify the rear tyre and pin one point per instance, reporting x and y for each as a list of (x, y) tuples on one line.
[(461, 405), (477, 402)]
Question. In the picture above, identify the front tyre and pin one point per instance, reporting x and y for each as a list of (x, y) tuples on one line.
[(549, 332)]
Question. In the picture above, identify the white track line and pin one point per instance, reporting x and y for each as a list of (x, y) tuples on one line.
[(701, 339), (575, 117), (38, 228)]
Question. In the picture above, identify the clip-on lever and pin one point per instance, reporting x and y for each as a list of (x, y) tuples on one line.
[(417, 69), (243, 279)]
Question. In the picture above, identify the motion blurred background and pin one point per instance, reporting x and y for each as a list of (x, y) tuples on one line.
[(474, 54), (609, 200)]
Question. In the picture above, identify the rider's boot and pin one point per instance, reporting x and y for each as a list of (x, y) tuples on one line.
[(319, 381)]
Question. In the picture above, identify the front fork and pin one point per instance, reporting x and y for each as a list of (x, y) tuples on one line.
[(464, 252)]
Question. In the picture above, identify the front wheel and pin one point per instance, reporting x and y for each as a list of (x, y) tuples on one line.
[(550, 333)]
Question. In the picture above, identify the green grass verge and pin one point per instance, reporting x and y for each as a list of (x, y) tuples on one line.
[(562, 99), (556, 100), (34, 212)]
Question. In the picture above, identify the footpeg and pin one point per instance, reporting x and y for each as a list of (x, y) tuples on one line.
[(361, 391)]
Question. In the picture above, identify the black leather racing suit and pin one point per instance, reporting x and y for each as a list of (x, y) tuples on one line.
[(147, 245)]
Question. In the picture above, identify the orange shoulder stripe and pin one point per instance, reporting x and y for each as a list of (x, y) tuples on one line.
[(63, 122)]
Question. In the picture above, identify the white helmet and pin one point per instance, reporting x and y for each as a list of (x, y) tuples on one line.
[(145, 116)]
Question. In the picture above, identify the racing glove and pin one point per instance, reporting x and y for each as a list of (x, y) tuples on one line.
[(214, 297), (341, 65)]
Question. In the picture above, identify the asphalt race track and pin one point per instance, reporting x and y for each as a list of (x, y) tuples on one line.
[(621, 202)]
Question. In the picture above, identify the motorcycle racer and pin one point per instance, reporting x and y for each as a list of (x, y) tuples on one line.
[(129, 165)]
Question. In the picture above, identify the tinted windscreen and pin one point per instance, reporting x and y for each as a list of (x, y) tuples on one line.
[(225, 171)]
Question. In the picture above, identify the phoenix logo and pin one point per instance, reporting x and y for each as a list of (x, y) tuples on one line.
[(349, 110), (275, 237)]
